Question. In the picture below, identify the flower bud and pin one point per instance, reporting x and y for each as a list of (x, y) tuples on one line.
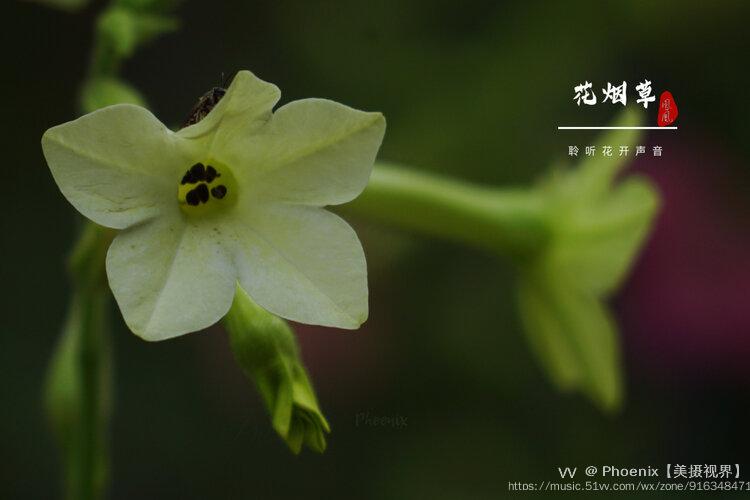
[(265, 348)]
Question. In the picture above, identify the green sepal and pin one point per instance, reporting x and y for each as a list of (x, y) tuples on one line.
[(598, 224), (265, 348)]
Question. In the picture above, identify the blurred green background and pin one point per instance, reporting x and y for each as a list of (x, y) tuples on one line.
[(474, 90)]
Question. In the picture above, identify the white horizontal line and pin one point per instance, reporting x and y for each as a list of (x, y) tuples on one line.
[(616, 128)]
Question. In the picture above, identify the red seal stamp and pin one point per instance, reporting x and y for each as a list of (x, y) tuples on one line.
[(667, 109)]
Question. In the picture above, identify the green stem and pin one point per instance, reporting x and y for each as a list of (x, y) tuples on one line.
[(508, 221), (95, 357), (79, 384)]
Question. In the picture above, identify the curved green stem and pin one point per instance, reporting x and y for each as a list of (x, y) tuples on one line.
[(508, 221)]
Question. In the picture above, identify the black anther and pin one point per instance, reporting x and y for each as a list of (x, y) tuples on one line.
[(219, 191), (202, 190)]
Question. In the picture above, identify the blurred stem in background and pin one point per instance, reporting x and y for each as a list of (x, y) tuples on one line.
[(572, 238), (511, 222), (78, 395)]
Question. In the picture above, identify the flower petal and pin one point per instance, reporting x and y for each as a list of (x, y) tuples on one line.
[(118, 166), (171, 276), (313, 151), (246, 105), (573, 334), (302, 263)]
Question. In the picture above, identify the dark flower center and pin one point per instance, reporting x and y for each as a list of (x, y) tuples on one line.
[(201, 177)]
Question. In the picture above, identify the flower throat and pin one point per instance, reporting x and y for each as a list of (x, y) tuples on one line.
[(201, 177)]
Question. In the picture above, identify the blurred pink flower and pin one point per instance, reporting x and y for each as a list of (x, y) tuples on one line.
[(686, 307)]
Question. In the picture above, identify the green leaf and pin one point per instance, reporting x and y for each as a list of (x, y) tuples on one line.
[(117, 29), (121, 30), (265, 348)]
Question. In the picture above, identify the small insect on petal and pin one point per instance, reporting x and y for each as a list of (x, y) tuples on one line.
[(205, 104)]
